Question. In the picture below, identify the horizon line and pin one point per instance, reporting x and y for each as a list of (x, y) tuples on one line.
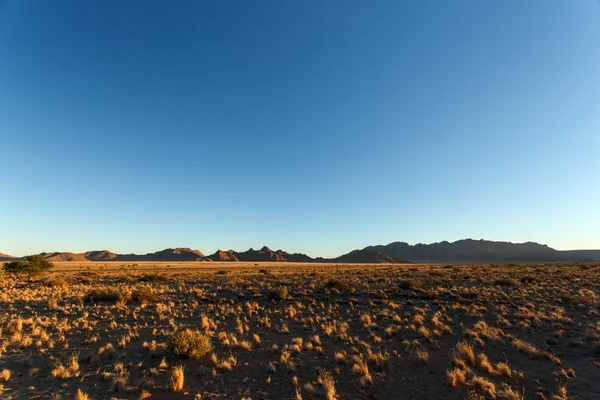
[(291, 252)]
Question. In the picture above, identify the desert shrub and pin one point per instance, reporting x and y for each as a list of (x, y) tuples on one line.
[(30, 266), (264, 271), (56, 283), (86, 280), (144, 293), (190, 343), (410, 284), (337, 284), (430, 294), (528, 279), (124, 279), (222, 272), (279, 294), (154, 278), (506, 282), (107, 295), (567, 298)]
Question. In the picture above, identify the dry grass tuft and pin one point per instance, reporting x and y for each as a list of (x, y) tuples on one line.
[(5, 375), (80, 395), (177, 378), (508, 393), (456, 377), (464, 351), (328, 384)]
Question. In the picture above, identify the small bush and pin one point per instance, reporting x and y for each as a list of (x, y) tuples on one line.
[(528, 279), (190, 343), (410, 284), (430, 294), (124, 279), (279, 294), (145, 294), (337, 284), (107, 295), (56, 283), (86, 280), (154, 278), (506, 282)]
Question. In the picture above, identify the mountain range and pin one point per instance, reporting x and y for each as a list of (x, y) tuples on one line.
[(461, 251), (482, 251)]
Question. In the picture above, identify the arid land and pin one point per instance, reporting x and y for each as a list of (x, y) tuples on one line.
[(204, 330)]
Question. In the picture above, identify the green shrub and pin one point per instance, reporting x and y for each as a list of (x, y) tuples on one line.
[(190, 343), (30, 266)]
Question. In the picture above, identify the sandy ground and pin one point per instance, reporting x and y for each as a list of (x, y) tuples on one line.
[(302, 331)]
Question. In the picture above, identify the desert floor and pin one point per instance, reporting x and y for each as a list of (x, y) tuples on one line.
[(301, 331)]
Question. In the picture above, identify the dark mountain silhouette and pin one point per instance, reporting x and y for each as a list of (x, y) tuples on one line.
[(297, 257), (178, 254), (582, 255), (480, 251), (461, 251), (221, 255), (65, 256), (101, 255), (264, 254), (365, 256)]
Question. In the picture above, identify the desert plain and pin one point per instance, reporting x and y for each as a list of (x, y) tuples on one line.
[(217, 330)]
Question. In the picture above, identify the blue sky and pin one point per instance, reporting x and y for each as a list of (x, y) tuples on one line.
[(311, 126)]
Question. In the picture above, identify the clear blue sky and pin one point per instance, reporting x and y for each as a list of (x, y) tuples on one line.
[(311, 126)]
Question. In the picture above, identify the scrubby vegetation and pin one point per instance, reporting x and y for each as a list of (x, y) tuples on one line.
[(190, 343), (29, 266), (302, 332)]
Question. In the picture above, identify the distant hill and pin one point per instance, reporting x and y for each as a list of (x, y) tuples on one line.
[(461, 251), (264, 254), (178, 254), (65, 256), (101, 255), (366, 256), (6, 257), (221, 255), (581, 255), (481, 251)]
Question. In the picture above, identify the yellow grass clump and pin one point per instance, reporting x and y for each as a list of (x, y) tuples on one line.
[(190, 343)]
